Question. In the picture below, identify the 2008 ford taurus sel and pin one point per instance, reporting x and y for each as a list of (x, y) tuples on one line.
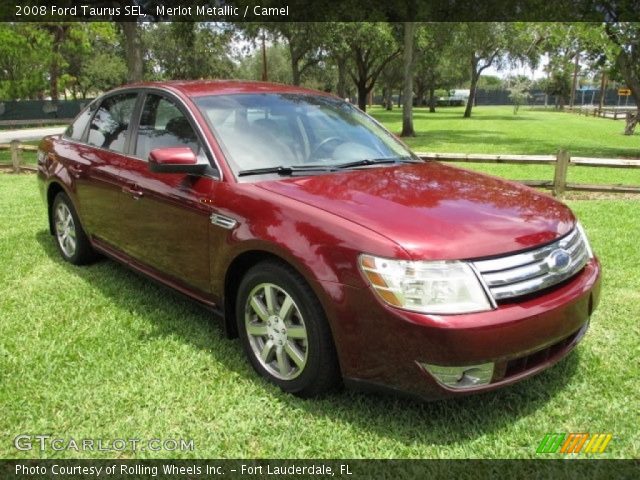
[(333, 252)]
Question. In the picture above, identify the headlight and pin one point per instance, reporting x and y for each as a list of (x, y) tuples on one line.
[(585, 239), (426, 287)]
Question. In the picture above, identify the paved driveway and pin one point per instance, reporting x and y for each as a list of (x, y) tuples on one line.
[(25, 134)]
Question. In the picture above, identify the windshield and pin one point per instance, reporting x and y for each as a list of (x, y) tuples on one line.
[(270, 131)]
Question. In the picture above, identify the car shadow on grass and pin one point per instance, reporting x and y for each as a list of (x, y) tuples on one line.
[(408, 421)]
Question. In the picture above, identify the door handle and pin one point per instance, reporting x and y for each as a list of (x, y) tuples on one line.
[(134, 191)]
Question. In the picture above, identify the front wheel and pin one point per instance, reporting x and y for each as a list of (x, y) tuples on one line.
[(284, 331)]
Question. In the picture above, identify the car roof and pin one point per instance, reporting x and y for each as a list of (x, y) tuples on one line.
[(198, 88)]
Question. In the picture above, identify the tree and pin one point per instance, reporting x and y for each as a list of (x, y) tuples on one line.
[(338, 52), (407, 90), (438, 61), (518, 87), (305, 40), (561, 42), (250, 64), (186, 50), (24, 60), (391, 79), (58, 32), (614, 48), (488, 44), (624, 49), (94, 57), (133, 50), (372, 46)]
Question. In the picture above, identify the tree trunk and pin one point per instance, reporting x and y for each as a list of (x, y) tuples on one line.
[(472, 94), (363, 92), (632, 120), (432, 100), (420, 89), (388, 98), (59, 33), (341, 87), (133, 46), (295, 74), (407, 91), (295, 66)]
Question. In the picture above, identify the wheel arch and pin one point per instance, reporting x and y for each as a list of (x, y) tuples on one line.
[(238, 267)]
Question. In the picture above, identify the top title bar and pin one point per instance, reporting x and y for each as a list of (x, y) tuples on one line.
[(321, 10)]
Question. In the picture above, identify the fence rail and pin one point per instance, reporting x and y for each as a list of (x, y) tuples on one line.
[(16, 149), (41, 122), (561, 161)]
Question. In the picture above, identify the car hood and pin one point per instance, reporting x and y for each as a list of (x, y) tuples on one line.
[(435, 211)]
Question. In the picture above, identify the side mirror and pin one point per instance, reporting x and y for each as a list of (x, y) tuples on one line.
[(174, 160)]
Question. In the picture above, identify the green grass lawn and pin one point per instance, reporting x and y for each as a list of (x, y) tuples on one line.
[(100, 352), (497, 130)]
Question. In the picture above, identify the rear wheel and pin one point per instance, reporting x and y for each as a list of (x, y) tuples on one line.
[(72, 242), (284, 331)]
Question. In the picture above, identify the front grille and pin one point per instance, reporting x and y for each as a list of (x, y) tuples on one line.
[(529, 272)]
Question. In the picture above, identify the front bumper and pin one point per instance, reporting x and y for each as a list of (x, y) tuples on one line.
[(383, 346)]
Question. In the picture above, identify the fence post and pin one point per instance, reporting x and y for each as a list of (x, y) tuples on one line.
[(16, 155), (560, 174)]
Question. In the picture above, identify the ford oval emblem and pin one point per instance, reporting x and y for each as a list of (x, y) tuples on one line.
[(558, 260)]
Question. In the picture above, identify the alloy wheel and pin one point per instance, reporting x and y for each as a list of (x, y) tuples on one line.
[(65, 230), (276, 331)]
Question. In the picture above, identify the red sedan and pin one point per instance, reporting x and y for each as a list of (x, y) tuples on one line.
[(332, 251)]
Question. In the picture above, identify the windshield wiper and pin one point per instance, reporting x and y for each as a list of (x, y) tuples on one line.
[(375, 161), (287, 171)]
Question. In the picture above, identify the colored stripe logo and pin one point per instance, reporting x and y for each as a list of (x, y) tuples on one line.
[(574, 443)]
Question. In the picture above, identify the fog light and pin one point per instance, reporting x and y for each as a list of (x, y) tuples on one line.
[(467, 376)]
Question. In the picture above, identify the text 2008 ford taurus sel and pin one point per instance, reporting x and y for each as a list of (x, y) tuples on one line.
[(333, 252)]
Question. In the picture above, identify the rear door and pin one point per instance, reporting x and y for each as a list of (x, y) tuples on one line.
[(102, 140)]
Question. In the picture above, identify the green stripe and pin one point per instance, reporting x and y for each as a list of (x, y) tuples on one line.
[(550, 443)]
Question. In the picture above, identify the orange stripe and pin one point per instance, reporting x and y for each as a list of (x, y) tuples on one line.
[(574, 442), (568, 443), (581, 443)]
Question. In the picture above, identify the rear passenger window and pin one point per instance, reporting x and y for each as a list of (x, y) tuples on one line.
[(110, 124), (77, 128), (162, 124)]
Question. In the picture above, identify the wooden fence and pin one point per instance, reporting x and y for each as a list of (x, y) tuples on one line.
[(614, 113), (562, 161), (16, 149), (558, 185)]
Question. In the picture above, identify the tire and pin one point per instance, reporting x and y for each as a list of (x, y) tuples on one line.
[(289, 343), (71, 240)]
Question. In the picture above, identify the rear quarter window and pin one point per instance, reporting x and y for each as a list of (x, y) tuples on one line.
[(110, 124), (76, 130)]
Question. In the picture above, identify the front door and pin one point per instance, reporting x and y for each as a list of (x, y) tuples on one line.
[(165, 216)]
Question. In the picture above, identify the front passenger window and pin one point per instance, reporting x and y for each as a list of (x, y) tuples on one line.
[(162, 124)]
